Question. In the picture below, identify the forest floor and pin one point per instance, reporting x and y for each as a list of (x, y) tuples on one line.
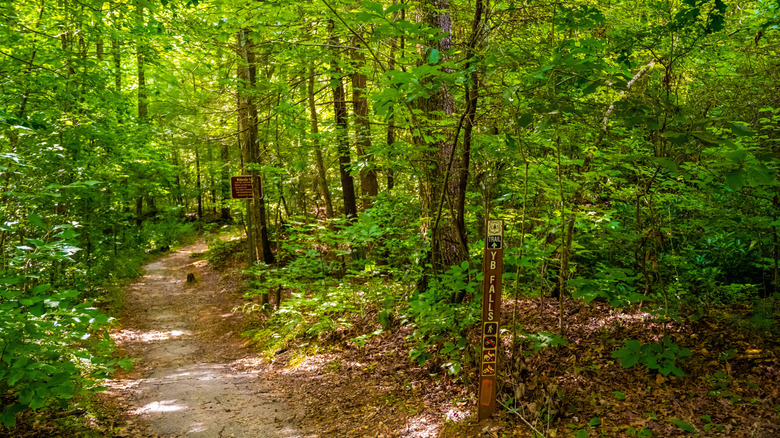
[(194, 376), (197, 376)]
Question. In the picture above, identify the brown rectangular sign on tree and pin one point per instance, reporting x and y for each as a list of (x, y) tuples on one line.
[(241, 187), (493, 267)]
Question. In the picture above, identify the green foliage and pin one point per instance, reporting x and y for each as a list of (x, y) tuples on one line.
[(316, 314), (54, 345), (542, 340), (710, 426), (617, 286), (441, 325), (641, 433), (220, 251), (661, 357), (684, 425)]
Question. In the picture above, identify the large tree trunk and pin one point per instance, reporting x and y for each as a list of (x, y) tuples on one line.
[(253, 149), (340, 113), (443, 191)]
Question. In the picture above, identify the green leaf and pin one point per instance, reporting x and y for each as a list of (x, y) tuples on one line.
[(373, 7), (741, 130), (37, 402), (36, 220), (687, 427), (434, 56), (40, 288), (665, 163), (11, 280), (735, 179), (525, 119), (619, 395), (9, 415), (37, 309), (595, 421)]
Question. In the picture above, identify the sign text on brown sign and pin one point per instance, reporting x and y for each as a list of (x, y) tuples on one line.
[(493, 266), (241, 187)]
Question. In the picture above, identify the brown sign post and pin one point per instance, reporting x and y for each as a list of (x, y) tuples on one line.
[(493, 266), (241, 187)]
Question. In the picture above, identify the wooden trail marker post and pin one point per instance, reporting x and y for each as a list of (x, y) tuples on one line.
[(493, 267)]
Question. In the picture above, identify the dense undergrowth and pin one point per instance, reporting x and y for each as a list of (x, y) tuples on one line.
[(56, 302), (348, 284)]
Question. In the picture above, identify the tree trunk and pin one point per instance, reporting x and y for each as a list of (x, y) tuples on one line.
[(143, 102), (243, 143), (442, 184), (212, 178), (197, 183), (369, 187), (116, 52), (342, 142), (225, 183), (252, 147), (318, 147)]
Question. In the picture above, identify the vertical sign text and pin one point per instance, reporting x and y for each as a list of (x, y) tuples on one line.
[(491, 315)]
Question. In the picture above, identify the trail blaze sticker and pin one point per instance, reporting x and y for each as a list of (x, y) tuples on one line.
[(493, 267)]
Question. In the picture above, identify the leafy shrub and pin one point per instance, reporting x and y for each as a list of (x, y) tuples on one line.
[(439, 323), (661, 357), (617, 286), (53, 346), (220, 251)]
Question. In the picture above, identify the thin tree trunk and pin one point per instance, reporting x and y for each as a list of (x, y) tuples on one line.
[(369, 187), (212, 179), (139, 211), (143, 102), (342, 142), (197, 183), (225, 183), (116, 53), (318, 147)]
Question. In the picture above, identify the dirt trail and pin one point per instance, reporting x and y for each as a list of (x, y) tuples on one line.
[(194, 377)]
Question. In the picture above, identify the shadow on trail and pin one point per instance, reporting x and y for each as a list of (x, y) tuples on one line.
[(194, 377)]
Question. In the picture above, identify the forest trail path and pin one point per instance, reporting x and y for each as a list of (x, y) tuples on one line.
[(195, 377)]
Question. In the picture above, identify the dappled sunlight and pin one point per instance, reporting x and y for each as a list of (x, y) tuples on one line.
[(149, 335), (197, 428), (249, 365), (456, 414), (315, 363), (421, 426), (201, 372), (618, 316), (159, 407)]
